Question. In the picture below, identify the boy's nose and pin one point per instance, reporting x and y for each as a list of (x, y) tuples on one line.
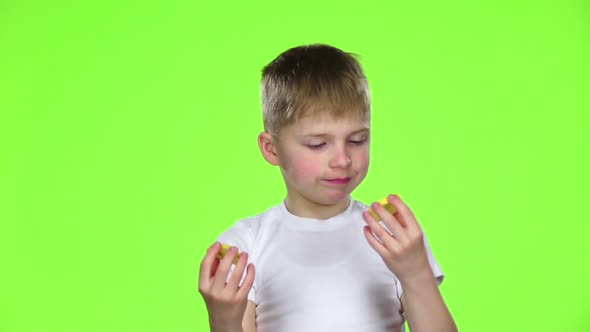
[(340, 159)]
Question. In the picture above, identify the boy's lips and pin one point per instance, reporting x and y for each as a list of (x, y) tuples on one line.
[(338, 180)]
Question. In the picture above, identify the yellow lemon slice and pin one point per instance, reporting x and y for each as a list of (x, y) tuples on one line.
[(223, 251), (387, 207)]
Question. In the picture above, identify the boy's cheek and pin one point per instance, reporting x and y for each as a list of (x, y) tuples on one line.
[(306, 169), (363, 160)]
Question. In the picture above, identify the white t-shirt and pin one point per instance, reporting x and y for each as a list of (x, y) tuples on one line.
[(318, 275)]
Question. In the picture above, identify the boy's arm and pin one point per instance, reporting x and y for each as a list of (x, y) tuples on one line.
[(400, 243), (424, 307), (249, 322), (225, 298)]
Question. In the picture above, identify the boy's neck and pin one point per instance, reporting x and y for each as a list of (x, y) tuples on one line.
[(307, 209)]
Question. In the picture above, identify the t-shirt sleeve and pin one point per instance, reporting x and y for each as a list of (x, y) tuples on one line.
[(240, 235), (436, 270)]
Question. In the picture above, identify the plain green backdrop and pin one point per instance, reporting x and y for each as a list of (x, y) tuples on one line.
[(128, 144)]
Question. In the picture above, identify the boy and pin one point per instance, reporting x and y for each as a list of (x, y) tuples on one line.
[(319, 261)]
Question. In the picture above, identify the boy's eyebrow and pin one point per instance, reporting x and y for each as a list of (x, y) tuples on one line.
[(327, 135)]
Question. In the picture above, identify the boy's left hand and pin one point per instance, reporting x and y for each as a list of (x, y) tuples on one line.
[(402, 250)]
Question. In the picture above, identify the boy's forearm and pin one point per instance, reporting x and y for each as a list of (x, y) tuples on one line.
[(224, 326), (225, 329), (424, 306)]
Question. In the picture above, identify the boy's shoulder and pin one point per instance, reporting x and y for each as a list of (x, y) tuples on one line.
[(254, 222), (359, 205), (270, 213), (245, 231)]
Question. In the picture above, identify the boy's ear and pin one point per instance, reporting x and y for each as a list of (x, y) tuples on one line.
[(268, 148)]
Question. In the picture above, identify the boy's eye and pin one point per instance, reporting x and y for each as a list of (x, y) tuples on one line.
[(321, 145), (316, 146), (358, 142)]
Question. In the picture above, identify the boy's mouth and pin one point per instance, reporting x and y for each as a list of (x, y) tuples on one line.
[(338, 180)]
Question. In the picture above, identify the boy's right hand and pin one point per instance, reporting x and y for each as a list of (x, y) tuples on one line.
[(226, 301)]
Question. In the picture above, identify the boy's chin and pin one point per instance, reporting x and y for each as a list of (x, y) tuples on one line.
[(329, 200)]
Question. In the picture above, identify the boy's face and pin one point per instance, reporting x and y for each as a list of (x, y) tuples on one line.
[(324, 158)]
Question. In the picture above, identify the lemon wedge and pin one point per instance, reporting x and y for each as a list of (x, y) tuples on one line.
[(385, 203), (223, 251)]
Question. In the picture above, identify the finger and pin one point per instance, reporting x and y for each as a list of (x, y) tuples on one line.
[(238, 272), (374, 242), (379, 231), (207, 264), (384, 251), (224, 268), (406, 216), (248, 282), (391, 222), (214, 267)]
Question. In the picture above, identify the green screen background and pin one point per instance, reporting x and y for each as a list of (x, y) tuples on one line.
[(128, 144)]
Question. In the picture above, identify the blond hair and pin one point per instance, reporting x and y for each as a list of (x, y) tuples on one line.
[(309, 79)]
